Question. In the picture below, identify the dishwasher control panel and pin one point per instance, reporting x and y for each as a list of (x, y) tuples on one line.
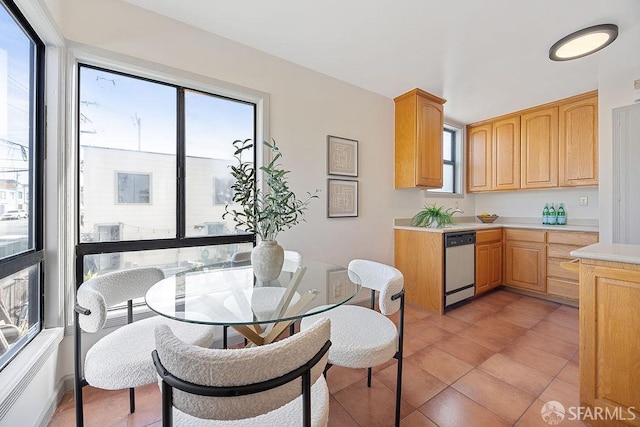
[(459, 239)]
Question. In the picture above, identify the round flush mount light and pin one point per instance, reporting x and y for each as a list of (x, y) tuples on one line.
[(583, 42)]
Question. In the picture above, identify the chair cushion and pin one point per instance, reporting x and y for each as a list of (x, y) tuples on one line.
[(122, 359), (360, 337), (289, 415)]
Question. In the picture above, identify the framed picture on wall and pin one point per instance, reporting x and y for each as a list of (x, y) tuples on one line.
[(338, 285), (342, 198), (342, 156)]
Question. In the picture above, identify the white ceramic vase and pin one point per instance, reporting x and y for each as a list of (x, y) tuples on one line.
[(267, 259)]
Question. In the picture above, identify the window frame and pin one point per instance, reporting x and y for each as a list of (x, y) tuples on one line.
[(147, 73), (35, 256), (457, 162)]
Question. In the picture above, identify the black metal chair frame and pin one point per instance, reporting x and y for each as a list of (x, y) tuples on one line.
[(169, 382), (79, 380), (397, 356)]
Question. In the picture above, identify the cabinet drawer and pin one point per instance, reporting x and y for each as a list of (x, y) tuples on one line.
[(526, 235), (486, 236), (577, 238), (554, 269), (561, 251), (563, 288)]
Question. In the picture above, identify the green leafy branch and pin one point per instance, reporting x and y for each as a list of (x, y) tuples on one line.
[(265, 213)]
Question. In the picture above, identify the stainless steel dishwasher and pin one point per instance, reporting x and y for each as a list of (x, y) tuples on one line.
[(460, 266)]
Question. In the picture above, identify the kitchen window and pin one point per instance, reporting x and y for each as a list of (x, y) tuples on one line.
[(451, 161), (21, 171)]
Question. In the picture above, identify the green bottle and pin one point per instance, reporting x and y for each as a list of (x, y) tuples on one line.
[(545, 214), (552, 215), (562, 215)]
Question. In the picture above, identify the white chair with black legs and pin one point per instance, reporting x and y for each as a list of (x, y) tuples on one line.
[(122, 358), (279, 384), (363, 337)]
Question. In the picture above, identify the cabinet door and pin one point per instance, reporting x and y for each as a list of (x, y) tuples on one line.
[(506, 154), (495, 265), (483, 270), (610, 350), (539, 148), (578, 155), (429, 143), (479, 157), (525, 265)]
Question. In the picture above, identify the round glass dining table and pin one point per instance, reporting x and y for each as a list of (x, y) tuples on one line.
[(228, 295)]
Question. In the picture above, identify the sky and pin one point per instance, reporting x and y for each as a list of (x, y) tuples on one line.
[(114, 108)]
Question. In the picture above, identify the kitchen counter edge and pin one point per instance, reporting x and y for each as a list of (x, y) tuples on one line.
[(614, 252), (480, 226)]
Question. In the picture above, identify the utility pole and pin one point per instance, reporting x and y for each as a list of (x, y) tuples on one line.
[(137, 124)]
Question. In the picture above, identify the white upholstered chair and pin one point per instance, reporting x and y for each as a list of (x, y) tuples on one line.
[(279, 384), (121, 359), (363, 337)]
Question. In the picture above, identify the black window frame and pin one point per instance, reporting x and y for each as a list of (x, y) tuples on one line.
[(35, 256), (453, 160), (83, 249)]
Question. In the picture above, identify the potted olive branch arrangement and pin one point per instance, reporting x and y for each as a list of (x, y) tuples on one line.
[(264, 212)]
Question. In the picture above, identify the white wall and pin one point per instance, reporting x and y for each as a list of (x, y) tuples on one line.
[(305, 107), (529, 203), (615, 90)]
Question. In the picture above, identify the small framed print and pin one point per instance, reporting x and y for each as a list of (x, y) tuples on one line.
[(342, 198), (342, 156)]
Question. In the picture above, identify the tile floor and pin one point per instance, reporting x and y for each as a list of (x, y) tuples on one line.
[(492, 362)]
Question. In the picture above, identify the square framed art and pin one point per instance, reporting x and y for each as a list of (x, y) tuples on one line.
[(342, 198), (342, 156)]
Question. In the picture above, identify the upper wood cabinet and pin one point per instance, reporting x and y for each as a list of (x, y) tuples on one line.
[(539, 156), (552, 145), (506, 154), (419, 121), (578, 163), (479, 158)]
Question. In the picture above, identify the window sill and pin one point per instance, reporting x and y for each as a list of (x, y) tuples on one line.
[(17, 375)]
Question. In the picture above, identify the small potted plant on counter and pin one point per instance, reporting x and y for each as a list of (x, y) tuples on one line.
[(433, 216)]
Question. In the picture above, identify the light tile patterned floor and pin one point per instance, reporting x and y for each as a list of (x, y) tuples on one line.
[(492, 362)]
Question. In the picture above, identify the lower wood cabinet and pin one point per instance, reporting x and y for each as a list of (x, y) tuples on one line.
[(609, 345), (562, 282), (488, 260), (525, 257)]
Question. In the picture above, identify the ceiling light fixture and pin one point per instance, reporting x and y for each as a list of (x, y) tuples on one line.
[(583, 42)]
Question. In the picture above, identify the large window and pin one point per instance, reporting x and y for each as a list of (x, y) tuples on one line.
[(148, 155), (21, 167)]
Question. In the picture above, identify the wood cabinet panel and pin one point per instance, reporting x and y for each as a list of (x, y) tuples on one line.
[(506, 154), (495, 263), (578, 131), (539, 153), (525, 235), (578, 238), (525, 265), (563, 288), (486, 236), (419, 255), (419, 123), (609, 350), (479, 152), (554, 269)]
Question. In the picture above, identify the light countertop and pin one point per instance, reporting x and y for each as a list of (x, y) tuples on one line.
[(468, 224), (614, 252)]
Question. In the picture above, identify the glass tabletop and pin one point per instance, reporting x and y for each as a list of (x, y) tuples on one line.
[(226, 295)]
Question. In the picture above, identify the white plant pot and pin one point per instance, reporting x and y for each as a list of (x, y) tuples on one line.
[(267, 259)]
